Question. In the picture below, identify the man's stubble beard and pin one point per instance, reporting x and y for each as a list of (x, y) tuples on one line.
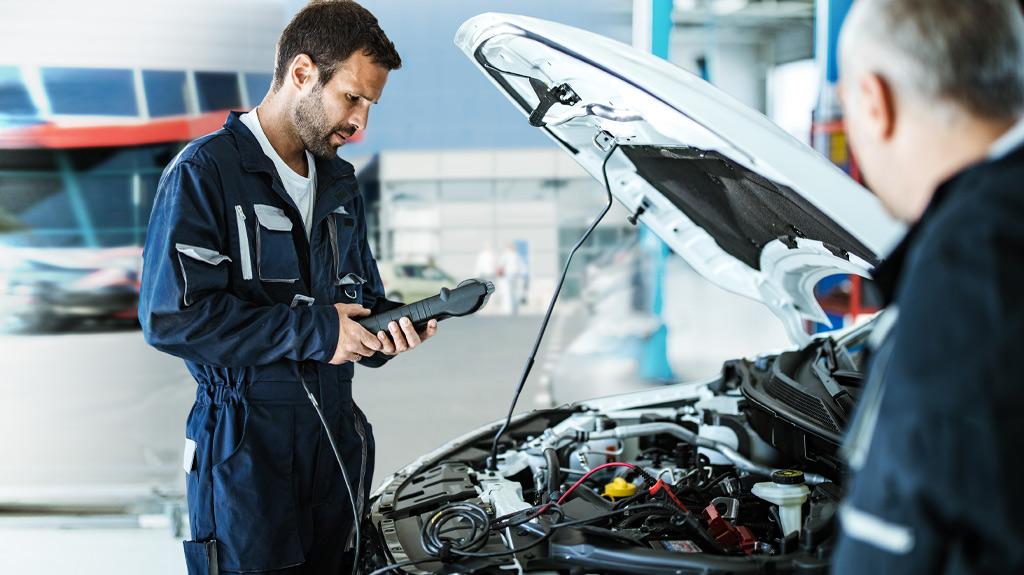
[(311, 125)]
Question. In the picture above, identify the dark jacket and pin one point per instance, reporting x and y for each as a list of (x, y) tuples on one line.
[(231, 284), (935, 449)]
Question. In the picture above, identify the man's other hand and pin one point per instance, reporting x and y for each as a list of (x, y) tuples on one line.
[(401, 336), (354, 342)]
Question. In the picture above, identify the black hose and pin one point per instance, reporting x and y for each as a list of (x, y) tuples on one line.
[(554, 473)]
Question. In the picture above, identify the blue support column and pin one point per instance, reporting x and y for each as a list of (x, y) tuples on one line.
[(654, 364), (829, 137)]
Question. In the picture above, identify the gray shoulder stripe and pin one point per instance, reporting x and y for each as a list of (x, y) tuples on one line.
[(205, 255), (875, 531)]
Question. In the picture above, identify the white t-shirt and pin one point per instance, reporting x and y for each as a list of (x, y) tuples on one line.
[(301, 189), (1009, 142)]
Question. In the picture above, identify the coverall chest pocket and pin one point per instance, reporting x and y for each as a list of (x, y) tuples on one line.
[(349, 276), (276, 258), (351, 289)]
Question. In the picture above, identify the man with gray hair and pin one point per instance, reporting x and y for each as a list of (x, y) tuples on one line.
[(933, 92)]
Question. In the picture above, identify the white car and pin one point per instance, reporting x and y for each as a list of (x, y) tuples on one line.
[(738, 474), (409, 281)]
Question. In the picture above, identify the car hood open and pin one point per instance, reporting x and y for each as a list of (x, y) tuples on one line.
[(746, 205)]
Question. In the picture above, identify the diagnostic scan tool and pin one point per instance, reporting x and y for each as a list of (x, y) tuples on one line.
[(468, 297)]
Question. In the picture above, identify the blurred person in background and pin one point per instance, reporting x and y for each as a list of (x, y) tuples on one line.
[(486, 264), (511, 277), (256, 268), (933, 92)]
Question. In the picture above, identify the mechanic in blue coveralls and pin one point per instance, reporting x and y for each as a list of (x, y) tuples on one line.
[(257, 266), (934, 95)]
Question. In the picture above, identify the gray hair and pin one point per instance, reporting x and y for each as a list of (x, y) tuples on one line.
[(969, 53)]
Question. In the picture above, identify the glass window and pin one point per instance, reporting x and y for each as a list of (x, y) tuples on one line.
[(143, 158), (37, 160), (412, 191), (432, 273), (257, 85), (218, 91), (35, 211), (471, 190), (147, 195), (108, 201), (523, 190), (90, 91), (14, 98), (165, 92), (115, 186)]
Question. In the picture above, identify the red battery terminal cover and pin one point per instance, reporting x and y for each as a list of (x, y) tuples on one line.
[(729, 535)]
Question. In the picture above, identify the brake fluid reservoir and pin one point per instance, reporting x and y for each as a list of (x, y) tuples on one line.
[(787, 490)]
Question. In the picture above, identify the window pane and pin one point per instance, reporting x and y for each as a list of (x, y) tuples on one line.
[(90, 91), (218, 91), (148, 194), (165, 92), (431, 273), (108, 200), (467, 190), (412, 191), (14, 98), (257, 85), (142, 158), (35, 211), (523, 190)]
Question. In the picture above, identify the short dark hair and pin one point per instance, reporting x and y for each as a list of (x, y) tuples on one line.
[(329, 32)]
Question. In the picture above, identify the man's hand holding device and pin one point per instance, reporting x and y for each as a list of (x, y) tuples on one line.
[(404, 328)]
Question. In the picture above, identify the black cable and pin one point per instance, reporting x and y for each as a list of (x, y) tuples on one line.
[(641, 506), (479, 524), (493, 463), (344, 473)]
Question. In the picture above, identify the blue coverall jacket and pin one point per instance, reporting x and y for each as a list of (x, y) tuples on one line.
[(231, 285)]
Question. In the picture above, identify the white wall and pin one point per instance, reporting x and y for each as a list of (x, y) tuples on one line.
[(214, 35)]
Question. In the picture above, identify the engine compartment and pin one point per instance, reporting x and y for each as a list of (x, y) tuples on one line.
[(719, 477)]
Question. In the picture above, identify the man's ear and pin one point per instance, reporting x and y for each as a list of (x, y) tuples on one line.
[(879, 104), (302, 71)]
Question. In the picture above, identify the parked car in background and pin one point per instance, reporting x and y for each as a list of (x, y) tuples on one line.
[(61, 289), (409, 282)]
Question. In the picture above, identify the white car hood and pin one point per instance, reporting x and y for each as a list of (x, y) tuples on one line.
[(749, 207)]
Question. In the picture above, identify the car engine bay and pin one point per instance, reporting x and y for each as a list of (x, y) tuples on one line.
[(737, 475)]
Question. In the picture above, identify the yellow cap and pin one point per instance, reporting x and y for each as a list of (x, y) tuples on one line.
[(619, 487)]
